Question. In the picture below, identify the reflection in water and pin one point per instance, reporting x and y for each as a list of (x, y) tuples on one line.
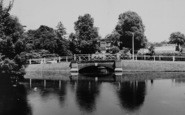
[(13, 99), (132, 94), (180, 80), (54, 87), (152, 81), (86, 94)]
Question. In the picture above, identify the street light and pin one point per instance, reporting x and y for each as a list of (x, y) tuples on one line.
[(132, 45)]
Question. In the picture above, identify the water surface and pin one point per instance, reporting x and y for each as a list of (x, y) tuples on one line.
[(105, 96)]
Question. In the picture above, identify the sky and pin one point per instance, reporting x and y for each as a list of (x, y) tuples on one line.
[(160, 17)]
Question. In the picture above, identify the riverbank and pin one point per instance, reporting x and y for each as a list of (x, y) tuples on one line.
[(48, 71), (130, 68), (153, 66)]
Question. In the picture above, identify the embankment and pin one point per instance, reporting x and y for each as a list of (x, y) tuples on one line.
[(130, 67), (153, 66)]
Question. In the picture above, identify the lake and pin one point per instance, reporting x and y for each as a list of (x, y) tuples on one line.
[(101, 96)]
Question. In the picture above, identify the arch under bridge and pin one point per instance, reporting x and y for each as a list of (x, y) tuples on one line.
[(95, 62)]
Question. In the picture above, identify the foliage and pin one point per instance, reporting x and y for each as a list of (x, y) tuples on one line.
[(61, 31), (152, 50), (130, 24), (113, 50), (12, 67), (113, 38), (48, 39), (11, 45), (38, 54), (85, 39), (177, 38)]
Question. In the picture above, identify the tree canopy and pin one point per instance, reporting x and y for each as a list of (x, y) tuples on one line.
[(84, 40), (129, 24), (113, 38), (177, 38), (11, 45), (49, 39)]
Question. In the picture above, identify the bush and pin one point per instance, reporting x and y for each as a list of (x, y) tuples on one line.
[(10, 67), (113, 50)]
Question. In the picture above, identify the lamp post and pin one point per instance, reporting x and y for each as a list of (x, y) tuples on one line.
[(132, 46)]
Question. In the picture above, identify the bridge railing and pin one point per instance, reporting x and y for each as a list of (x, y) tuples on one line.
[(97, 57), (76, 57)]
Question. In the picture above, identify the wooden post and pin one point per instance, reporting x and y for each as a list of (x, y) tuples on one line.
[(136, 57), (74, 57), (154, 58), (44, 60), (173, 58), (144, 57), (29, 61), (159, 58), (89, 57)]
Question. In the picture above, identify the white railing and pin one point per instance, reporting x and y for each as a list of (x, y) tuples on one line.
[(50, 60), (159, 58), (96, 57), (99, 57)]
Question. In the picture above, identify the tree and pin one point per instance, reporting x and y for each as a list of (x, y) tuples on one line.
[(86, 35), (61, 30), (113, 38), (47, 38), (129, 24), (11, 31), (73, 44), (4, 16), (114, 50), (177, 38)]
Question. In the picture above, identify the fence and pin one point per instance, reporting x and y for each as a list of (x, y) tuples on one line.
[(88, 57), (50, 60), (159, 58)]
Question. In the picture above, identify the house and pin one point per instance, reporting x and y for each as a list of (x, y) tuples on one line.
[(104, 46), (143, 51), (166, 49)]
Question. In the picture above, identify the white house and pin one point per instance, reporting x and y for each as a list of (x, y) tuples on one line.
[(166, 48)]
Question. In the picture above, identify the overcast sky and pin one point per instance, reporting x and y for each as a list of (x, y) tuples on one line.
[(160, 17)]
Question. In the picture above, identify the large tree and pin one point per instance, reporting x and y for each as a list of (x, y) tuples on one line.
[(130, 24), (86, 35), (177, 38), (11, 45)]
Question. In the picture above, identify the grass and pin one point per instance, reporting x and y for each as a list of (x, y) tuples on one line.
[(48, 71), (153, 66)]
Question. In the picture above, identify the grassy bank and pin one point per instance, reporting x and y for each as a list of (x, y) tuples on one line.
[(49, 71), (153, 66)]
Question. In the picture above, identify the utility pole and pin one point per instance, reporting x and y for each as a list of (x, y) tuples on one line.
[(132, 45)]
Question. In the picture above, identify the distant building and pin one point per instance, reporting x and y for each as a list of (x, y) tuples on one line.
[(166, 48), (104, 46), (143, 51)]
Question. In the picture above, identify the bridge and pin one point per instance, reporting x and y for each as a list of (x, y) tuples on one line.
[(103, 63)]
